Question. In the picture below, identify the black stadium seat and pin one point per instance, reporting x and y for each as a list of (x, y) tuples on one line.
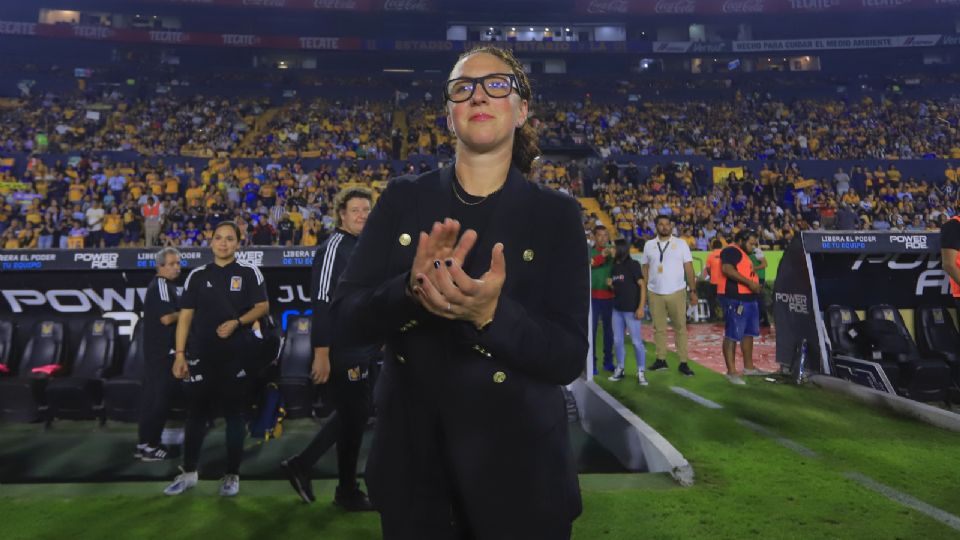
[(79, 396), (922, 378), (121, 394), (6, 347), (840, 320), (295, 361), (938, 337), (22, 395)]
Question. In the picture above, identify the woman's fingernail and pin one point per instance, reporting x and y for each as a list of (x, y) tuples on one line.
[(449, 262), (436, 264)]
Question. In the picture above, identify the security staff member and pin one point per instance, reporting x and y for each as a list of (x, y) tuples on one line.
[(159, 325), (950, 255), (482, 329), (346, 368), (220, 302), (739, 289)]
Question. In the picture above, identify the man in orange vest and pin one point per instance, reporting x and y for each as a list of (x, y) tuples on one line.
[(712, 273), (950, 255), (739, 290)]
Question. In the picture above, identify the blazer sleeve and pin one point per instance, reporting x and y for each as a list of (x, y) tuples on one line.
[(549, 344), (370, 303)]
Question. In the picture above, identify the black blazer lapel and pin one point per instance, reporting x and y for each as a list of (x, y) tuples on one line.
[(433, 202)]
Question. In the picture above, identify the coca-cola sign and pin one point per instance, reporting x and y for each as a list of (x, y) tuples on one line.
[(676, 6), (743, 6), (406, 5), (607, 6)]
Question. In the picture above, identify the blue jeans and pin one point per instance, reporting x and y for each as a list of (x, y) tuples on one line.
[(603, 313), (628, 320), (741, 319)]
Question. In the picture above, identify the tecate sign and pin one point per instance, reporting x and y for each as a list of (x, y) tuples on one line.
[(814, 4)]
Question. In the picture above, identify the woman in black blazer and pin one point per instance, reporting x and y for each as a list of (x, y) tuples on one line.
[(481, 328)]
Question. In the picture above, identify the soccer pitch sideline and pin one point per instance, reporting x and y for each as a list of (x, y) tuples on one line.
[(776, 461)]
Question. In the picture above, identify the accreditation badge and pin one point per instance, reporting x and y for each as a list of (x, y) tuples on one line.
[(235, 283)]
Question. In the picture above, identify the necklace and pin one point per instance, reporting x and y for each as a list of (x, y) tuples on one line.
[(453, 185)]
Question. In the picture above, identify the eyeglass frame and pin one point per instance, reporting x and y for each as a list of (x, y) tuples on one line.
[(514, 85)]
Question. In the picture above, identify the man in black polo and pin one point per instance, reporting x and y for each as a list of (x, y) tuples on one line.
[(347, 369), (159, 325)]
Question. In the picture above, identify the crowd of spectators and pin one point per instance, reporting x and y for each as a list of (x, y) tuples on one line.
[(93, 203), (162, 200), (775, 201)]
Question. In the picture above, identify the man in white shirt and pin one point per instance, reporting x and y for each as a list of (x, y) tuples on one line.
[(94, 217), (668, 271)]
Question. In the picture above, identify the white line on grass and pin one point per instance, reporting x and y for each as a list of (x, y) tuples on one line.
[(942, 516), (695, 398), (783, 441)]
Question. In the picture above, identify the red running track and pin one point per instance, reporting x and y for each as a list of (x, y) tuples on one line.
[(704, 341)]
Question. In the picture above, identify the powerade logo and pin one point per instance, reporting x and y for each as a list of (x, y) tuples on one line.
[(74, 300), (796, 303), (250, 257), (98, 261), (910, 241), (933, 277)]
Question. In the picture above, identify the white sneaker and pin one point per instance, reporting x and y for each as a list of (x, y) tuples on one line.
[(617, 375), (183, 481), (756, 372), (230, 486), (736, 379), (641, 379)]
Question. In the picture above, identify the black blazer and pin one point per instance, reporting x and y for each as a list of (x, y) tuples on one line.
[(493, 397)]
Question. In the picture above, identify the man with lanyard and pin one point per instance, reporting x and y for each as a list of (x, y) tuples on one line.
[(346, 368), (159, 325), (739, 289), (668, 270), (601, 294), (950, 255)]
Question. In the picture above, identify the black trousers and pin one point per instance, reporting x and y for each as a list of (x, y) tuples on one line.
[(350, 392), (217, 383), (158, 387)]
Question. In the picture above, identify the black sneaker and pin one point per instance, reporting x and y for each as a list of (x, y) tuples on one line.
[(352, 500), (685, 369), (659, 365), (150, 453), (298, 478), (617, 375)]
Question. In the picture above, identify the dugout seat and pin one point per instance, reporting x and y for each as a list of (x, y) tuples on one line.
[(22, 394), (121, 394), (296, 359), (922, 378), (6, 347), (840, 321), (79, 396), (937, 337)]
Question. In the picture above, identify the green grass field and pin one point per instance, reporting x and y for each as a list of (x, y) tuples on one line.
[(747, 485)]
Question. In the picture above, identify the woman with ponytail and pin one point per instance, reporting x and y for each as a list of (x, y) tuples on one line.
[(477, 280)]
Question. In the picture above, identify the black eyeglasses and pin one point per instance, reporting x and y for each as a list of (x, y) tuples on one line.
[(495, 85)]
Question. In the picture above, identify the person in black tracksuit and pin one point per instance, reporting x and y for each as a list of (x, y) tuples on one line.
[(346, 368), (220, 302), (159, 325)]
